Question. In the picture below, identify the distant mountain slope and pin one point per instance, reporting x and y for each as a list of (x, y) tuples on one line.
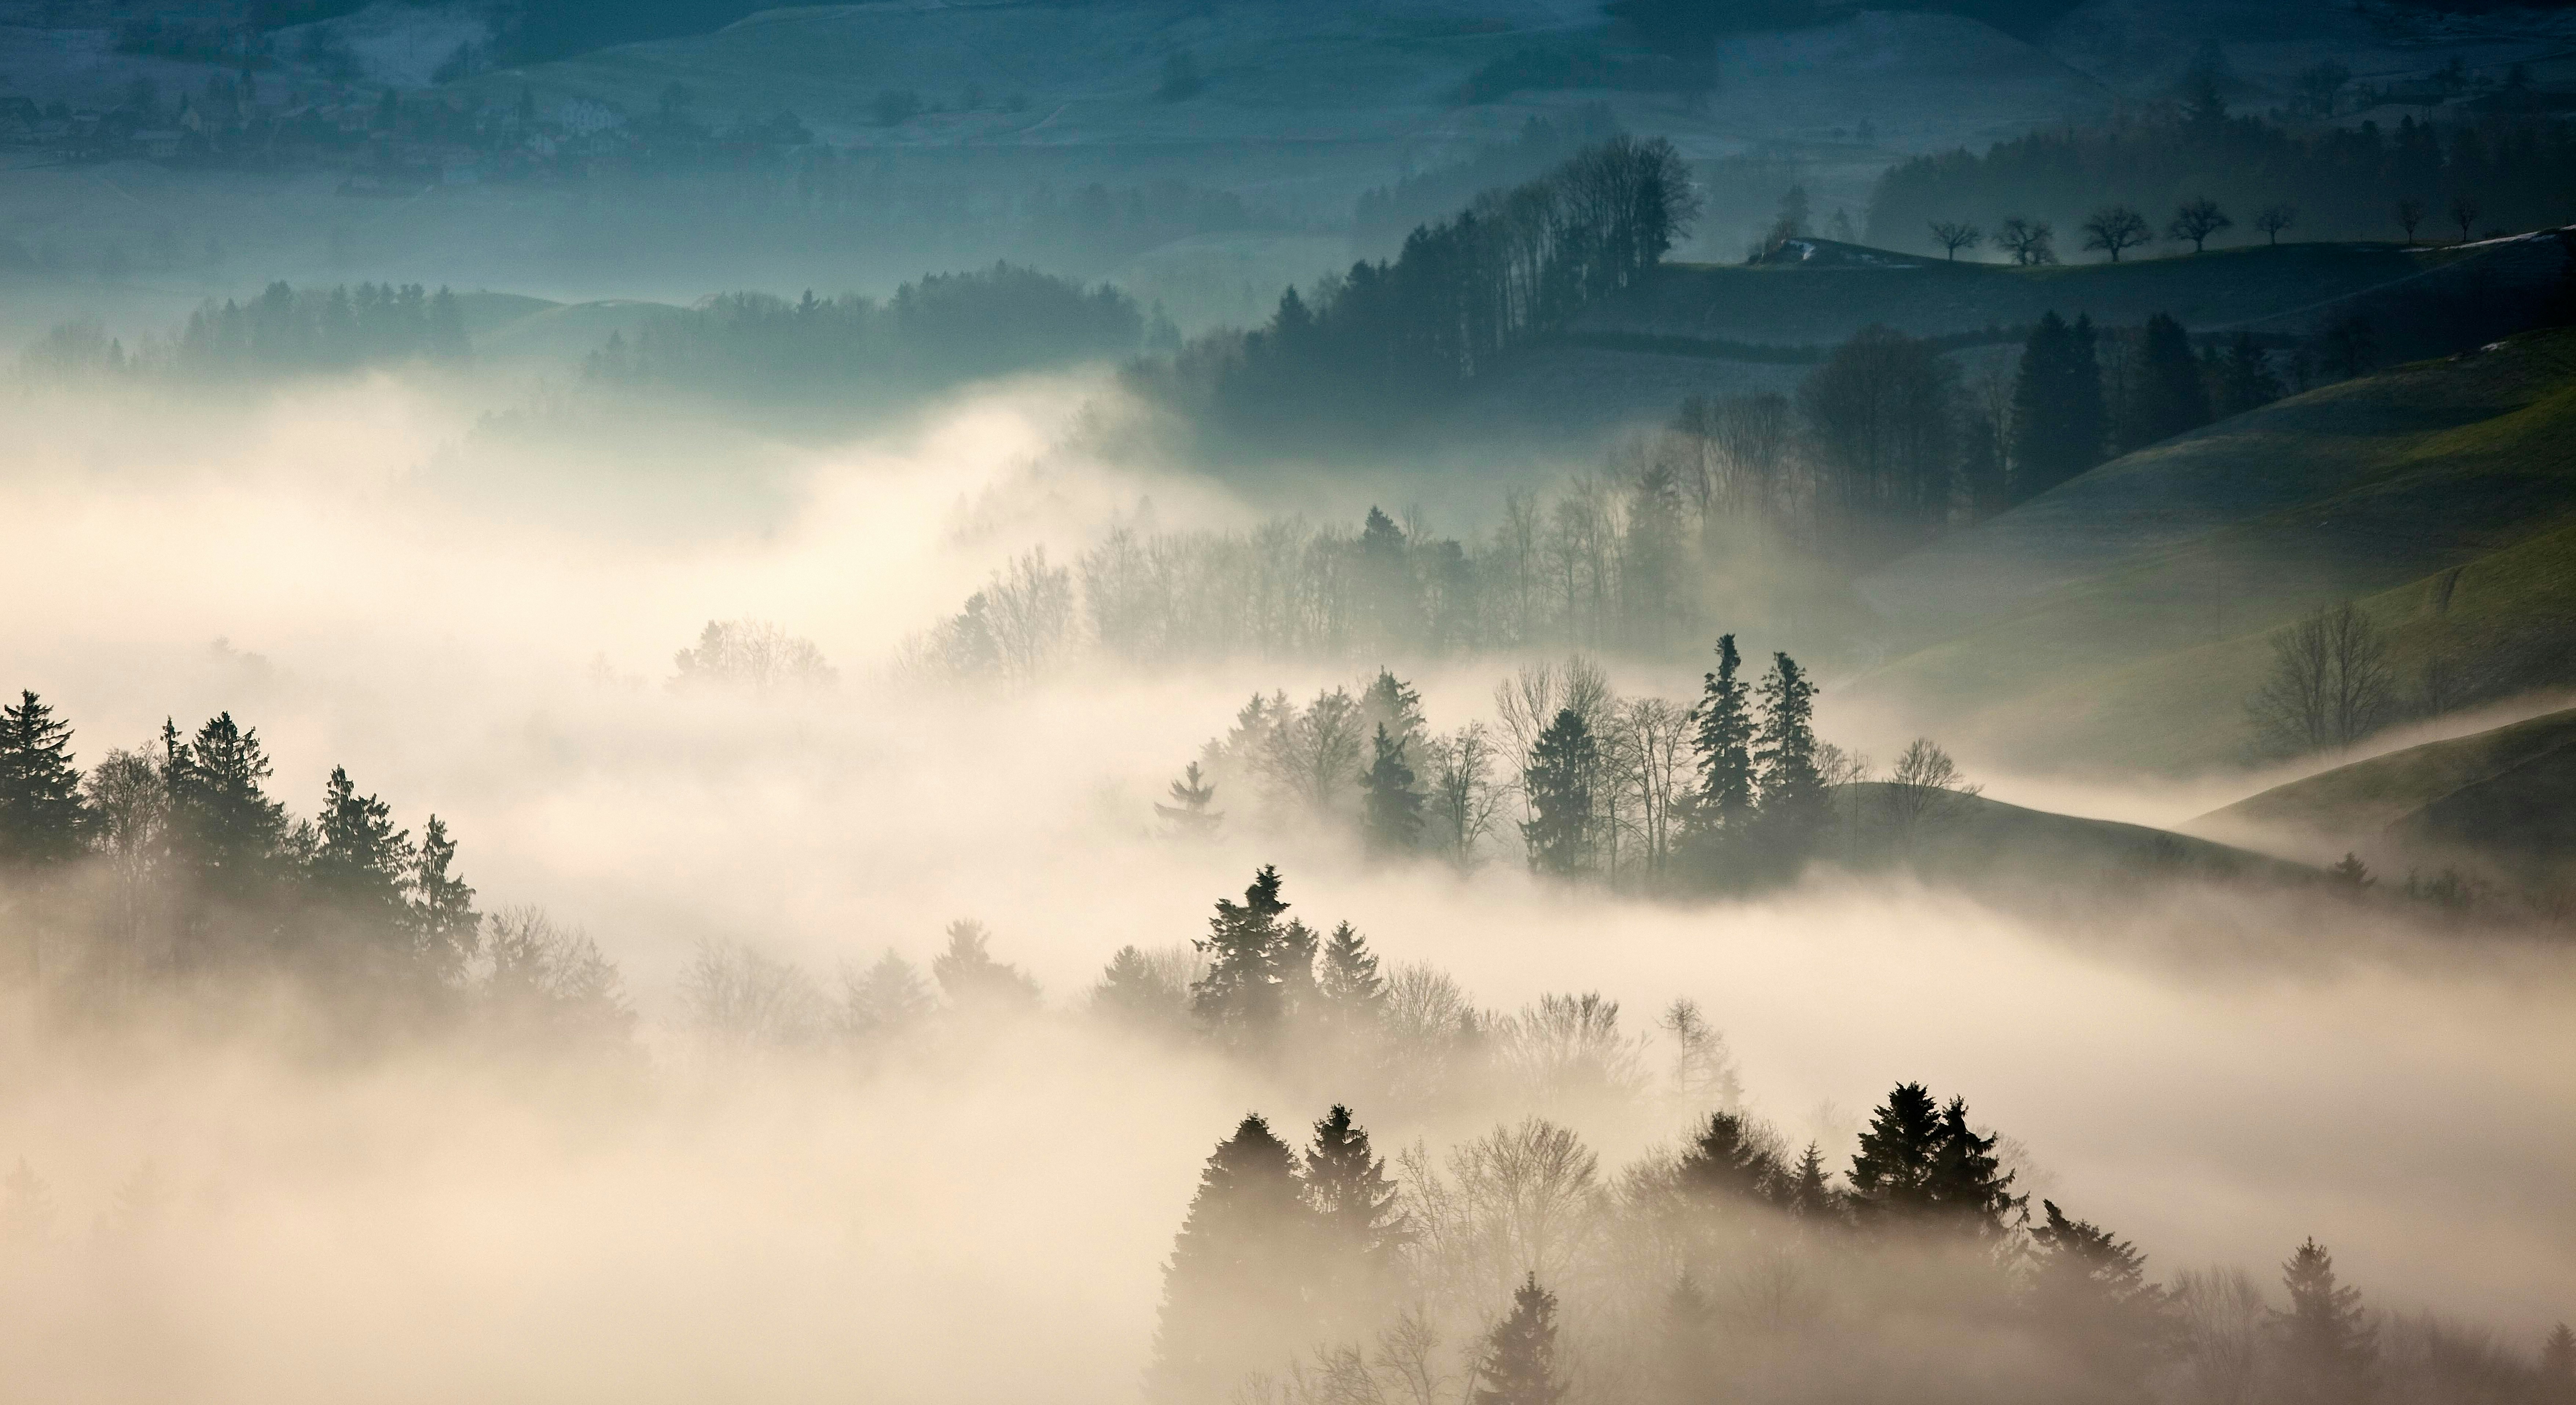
[(2121, 619), (2508, 794), (1974, 840), (1822, 301)]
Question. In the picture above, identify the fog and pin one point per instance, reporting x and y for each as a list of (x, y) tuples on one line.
[(2216, 1073)]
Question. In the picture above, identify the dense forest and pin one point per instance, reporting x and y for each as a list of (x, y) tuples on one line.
[(1371, 349), (2333, 182), (935, 331), (283, 332)]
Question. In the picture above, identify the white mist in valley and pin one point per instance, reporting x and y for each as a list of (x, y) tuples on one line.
[(233, 1215)]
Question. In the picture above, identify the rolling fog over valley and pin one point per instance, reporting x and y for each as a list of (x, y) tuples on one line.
[(1463, 703)]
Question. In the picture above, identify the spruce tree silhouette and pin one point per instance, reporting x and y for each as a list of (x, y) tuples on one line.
[(1811, 1195), (1685, 1355), (1721, 803), (1347, 979), (1725, 1165), (42, 819), (362, 863), (2171, 396), (1921, 1162), (448, 928), (1359, 1228), (1790, 801), (1234, 1291), (1559, 781), (1239, 998), (1391, 808), (1519, 1364), (2089, 1292), (2327, 1348)]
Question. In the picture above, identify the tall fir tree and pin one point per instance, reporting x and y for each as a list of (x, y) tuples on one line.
[(1790, 800), (1358, 1225), (230, 832), (42, 819), (1685, 1366), (1727, 1165), (1391, 807), (1559, 781), (2088, 1291), (1235, 1296), (2168, 395), (1921, 1163), (2558, 1351), (1347, 980), (1238, 998), (1721, 802), (1518, 1366), (2059, 421), (1191, 815), (444, 921), (1969, 1185), (1811, 1195), (2327, 1347), (362, 863)]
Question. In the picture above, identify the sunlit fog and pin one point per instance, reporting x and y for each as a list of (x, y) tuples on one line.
[(1448, 702)]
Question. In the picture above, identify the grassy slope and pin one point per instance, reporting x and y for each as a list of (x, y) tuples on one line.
[(1972, 838), (1797, 306), (2360, 800), (2120, 619)]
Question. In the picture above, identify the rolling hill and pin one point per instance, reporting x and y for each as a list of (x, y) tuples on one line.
[(2120, 620), (2505, 797), (1976, 841)]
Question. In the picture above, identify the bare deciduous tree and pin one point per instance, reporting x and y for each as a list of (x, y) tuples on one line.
[(2410, 213), (1313, 754), (2114, 228), (1464, 804), (744, 997), (2274, 219), (2464, 212), (2197, 220), (1954, 235), (2032, 242), (2330, 684), (1925, 785), (753, 654), (2224, 1325)]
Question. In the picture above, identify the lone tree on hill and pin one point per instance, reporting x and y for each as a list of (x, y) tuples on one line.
[(2410, 214), (2032, 242), (2330, 684), (2274, 219), (1953, 236), (1519, 1364), (2196, 221), (2114, 228), (2464, 212)]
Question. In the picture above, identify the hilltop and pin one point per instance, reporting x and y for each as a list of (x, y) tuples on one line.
[(2499, 796), (2122, 619)]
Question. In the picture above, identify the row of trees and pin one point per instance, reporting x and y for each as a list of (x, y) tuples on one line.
[(1369, 349), (935, 331), (2337, 183), (282, 332), (172, 865), (1636, 791)]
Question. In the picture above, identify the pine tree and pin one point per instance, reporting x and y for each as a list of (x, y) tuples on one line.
[(1559, 781), (1969, 1185), (1233, 1291), (2327, 1348), (973, 981), (1239, 997), (2168, 396), (1721, 805), (886, 1000), (1726, 1165), (1811, 1195), (1685, 1358), (1391, 806), (231, 831), (2088, 1290), (1189, 815), (2558, 1366), (1892, 1172), (2245, 380), (362, 863), (443, 916), (1347, 978), (1790, 792), (1141, 993), (1519, 1364), (2058, 417), (1359, 1228), (42, 819)]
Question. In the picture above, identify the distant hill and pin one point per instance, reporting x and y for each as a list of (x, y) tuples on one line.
[(2506, 796), (2121, 620), (1972, 840)]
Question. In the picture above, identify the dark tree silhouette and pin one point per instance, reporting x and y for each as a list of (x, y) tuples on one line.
[(42, 818), (2410, 213), (1359, 1229), (2274, 219), (1726, 1165), (362, 863), (2114, 228), (445, 923), (1346, 978), (2327, 1348), (2244, 379), (230, 832), (2059, 420), (1233, 1291), (1391, 808), (2168, 395), (1239, 998), (1810, 1194), (1721, 803), (1923, 1163), (2464, 212), (1790, 792), (2032, 242), (2089, 1292), (1954, 235), (1685, 1348), (1519, 1363), (975, 983), (2197, 220), (1559, 781)]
